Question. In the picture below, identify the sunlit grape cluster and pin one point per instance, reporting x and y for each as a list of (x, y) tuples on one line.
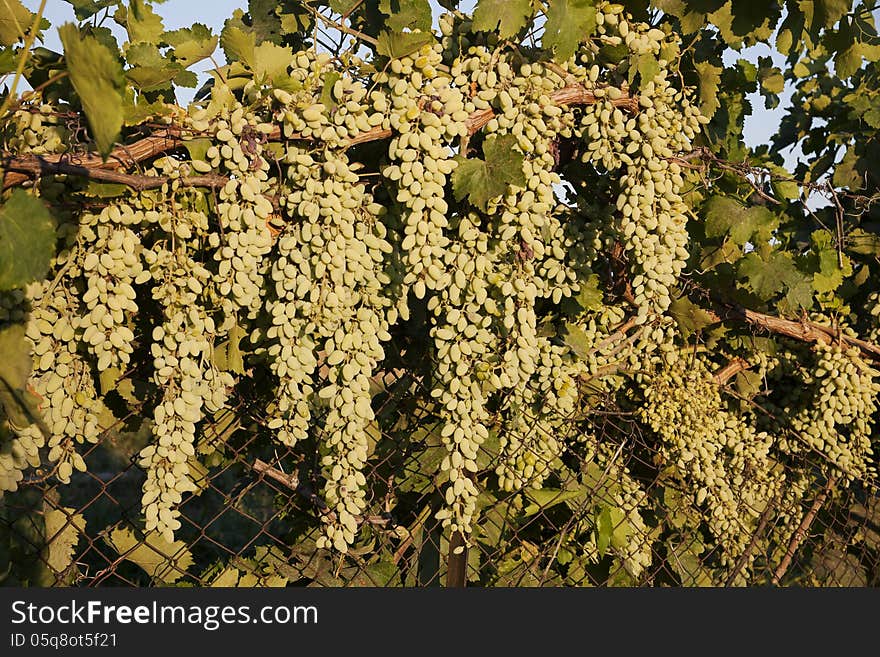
[(112, 266), (837, 422), (181, 348), (61, 379), (724, 461), (425, 112)]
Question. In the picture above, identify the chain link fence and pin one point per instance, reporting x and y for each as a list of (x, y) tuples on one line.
[(613, 517)]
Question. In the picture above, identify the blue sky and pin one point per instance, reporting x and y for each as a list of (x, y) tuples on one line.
[(760, 127)]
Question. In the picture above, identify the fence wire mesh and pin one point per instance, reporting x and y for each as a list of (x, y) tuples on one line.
[(257, 513)]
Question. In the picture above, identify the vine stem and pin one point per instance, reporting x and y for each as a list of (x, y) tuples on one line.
[(801, 532), (91, 165)]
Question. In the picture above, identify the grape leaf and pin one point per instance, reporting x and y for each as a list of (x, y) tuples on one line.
[(590, 295), (725, 216), (63, 530), (482, 180), (647, 66), (15, 21), (829, 273), (20, 406), (569, 22), (150, 70), (97, 76), (848, 61), (192, 44), (161, 560), (768, 277), (577, 340), (84, 9), (506, 16), (237, 44), (327, 100), (270, 62), (864, 243), (15, 360), (825, 13), (401, 44), (689, 316), (407, 14), (710, 78), (140, 21), (798, 296), (27, 240)]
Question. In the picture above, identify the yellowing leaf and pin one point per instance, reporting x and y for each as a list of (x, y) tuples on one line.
[(15, 21), (141, 22), (238, 44), (270, 62), (161, 560), (64, 527)]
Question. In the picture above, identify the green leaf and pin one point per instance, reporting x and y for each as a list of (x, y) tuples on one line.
[(604, 530), (327, 99), (689, 316), (27, 240), (161, 560), (712, 256), (788, 189), (647, 67), (829, 273), (97, 189), (192, 44), (569, 22), (237, 44), (19, 405), (577, 340), (863, 243), (799, 296), (84, 9), (508, 17), (141, 22), (8, 61), (15, 359), (848, 61), (198, 148), (827, 12), (768, 277), (99, 82), (227, 355), (407, 14), (401, 44), (482, 180), (15, 21), (545, 498), (727, 216), (710, 78), (590, 295), (684, 559)]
